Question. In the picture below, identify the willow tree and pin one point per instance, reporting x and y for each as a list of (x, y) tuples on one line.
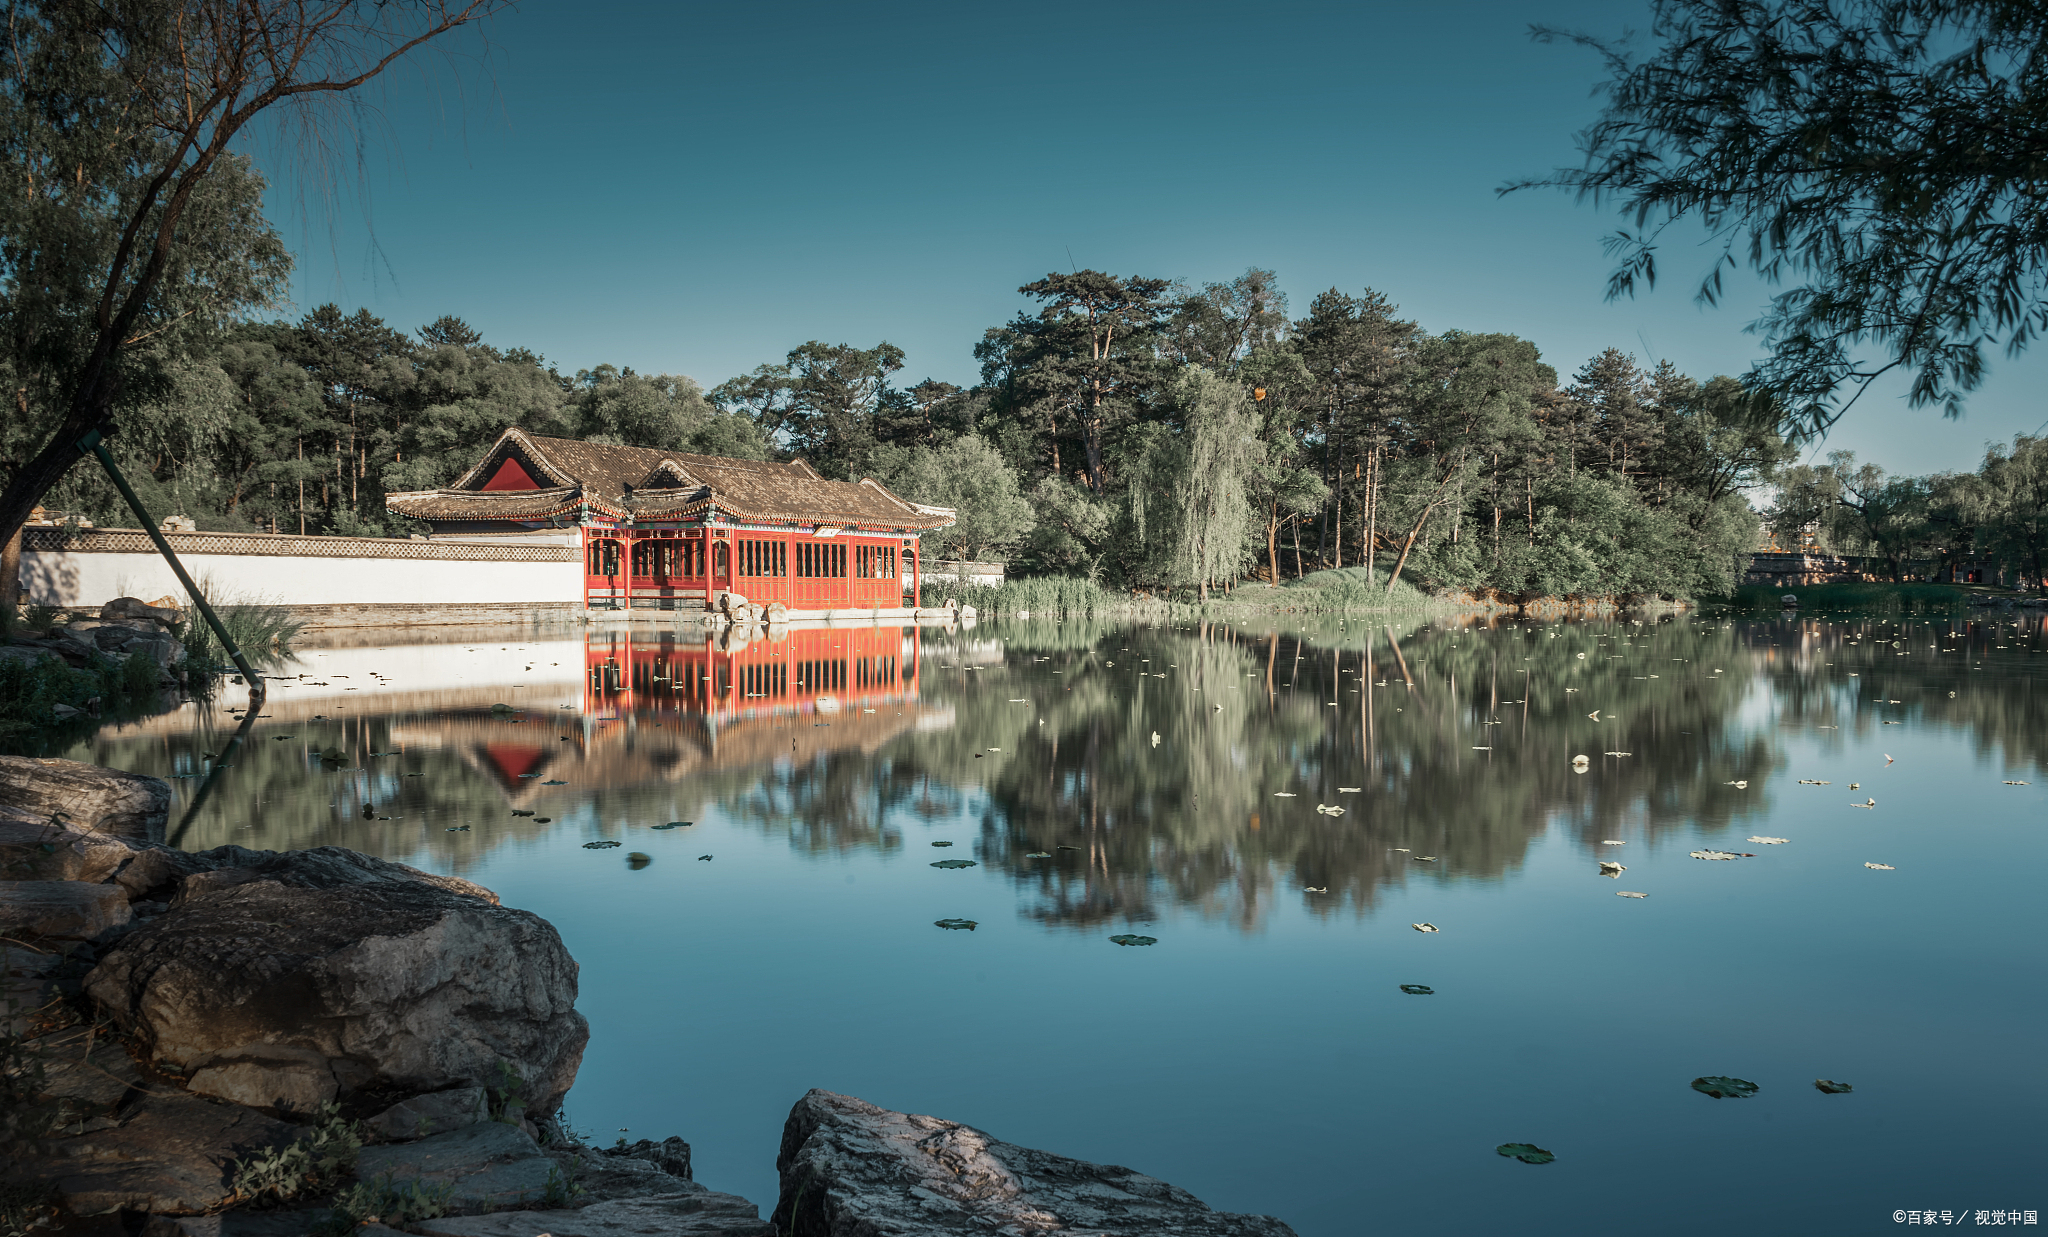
[(1218, 454), (115, 118)]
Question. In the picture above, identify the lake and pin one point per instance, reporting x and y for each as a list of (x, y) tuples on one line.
[(1275, 805)]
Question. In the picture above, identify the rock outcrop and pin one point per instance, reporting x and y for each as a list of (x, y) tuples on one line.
[(280, 981), (850, 1169), (86, 798)]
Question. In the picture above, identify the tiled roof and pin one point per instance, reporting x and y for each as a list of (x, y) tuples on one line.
[(644, 483)]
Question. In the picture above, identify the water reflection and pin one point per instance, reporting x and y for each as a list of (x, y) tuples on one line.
[(1162, 765)]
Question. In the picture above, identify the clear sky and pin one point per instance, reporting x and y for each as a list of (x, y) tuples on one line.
[(696, 189)]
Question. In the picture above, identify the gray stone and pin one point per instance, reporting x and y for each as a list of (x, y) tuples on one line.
[(247, 1224), (393, 977), (90, 798), (61, 910), (31, 848), (89, 1084), (436, 1113), (486, 1166), (172, 1154), (134, 608), (850, 1169), (603, 1176), (671, 1155), (696, 1212), (278, 1078)]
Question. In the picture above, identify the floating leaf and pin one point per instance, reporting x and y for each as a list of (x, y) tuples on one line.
[(521, 812), (1829, 1086), (1724, 1088), (1527, 1153), (1418, 989), (1424, 858), (529, 775), (638, 860), (543, 820), (1064, 846), (955, 925), (1624, 893), (1762, 841), (1349, 790), (282, 737), (501, 708), (1326, 810), (1038, 854), (452, 828), (1719, 854), (1611, 869), (703, 859), (599, 845), (1423, 927), (941, 843), (676, 824), (415, 775), (1129, 939), (1283, 794), (954, 863), (1315, 889), (1880, 867), (554, 783)]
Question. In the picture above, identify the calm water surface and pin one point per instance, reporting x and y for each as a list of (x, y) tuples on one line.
[(1166, 781)]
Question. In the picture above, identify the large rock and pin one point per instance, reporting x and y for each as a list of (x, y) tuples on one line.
[(34, 849), (172, 1153), (434, 1113), (61, 910), (89, 798), (279, 980), (131, 608), (484, 1167), (850, 1169), (691, 1212)]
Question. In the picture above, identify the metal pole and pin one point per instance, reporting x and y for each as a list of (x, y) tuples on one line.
[(93, 444)]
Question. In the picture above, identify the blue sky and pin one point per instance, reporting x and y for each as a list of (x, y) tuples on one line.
[(697, 189)]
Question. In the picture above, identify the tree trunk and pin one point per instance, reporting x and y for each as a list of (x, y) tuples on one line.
[(10, 578), (1273, 543)]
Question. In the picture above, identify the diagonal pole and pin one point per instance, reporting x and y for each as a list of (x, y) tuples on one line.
[(94, 445)]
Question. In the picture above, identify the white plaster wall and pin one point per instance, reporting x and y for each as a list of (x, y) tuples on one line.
[(60, 579)]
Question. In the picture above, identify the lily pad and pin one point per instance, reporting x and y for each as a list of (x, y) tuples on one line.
[(599, 845), (1418, 989), (954, 863), (1724, 1088), (638, 860), (1127, 938), (1527, 1153), (677, 824), (501, 708), (1829, 1086), (955, 925)]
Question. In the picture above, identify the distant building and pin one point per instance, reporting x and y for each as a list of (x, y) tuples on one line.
[(669, 530)]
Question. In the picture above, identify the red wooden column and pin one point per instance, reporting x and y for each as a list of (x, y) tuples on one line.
[(917, 574)]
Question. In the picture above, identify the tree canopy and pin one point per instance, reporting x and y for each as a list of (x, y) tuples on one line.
[(1880, 160)]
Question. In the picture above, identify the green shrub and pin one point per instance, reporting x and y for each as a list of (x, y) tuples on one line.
[(302, 1167), (383, 1201)]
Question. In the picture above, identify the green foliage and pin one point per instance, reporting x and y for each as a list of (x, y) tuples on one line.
[(561, 1188), (381, 1200), (31, 689), (263, 632), (508, 1091), (968, 475), (1046, 596), (303, 1167), (1833, 148)]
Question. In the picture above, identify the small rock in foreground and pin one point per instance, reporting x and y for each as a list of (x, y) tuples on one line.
[(850, 1169)]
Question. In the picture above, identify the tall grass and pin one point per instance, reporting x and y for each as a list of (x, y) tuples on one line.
[(1037, 595), (1350, 588), (263, 630)]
